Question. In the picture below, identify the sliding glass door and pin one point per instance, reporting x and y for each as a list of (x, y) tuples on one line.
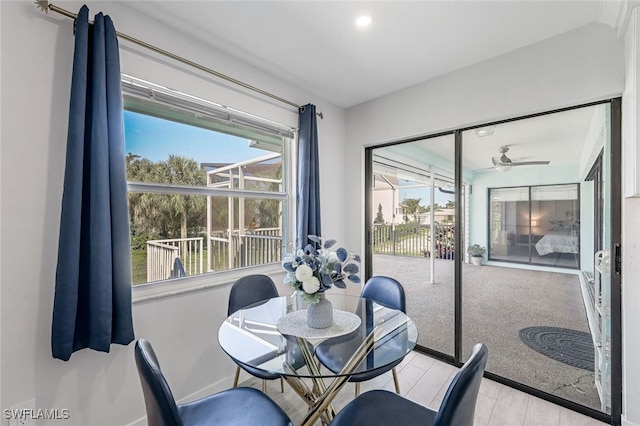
[(533, 198), (537, 225), (412, 202), (528, 210)]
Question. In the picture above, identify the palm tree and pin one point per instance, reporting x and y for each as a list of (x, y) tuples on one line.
[(145, 216), (411, 206), (164, 214), (179, 170)]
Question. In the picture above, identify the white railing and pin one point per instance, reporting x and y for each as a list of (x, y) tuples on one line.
[(162, 254), (251, 248), (413, 239)]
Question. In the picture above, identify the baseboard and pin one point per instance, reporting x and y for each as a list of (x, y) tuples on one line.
[(219, 386), (140, 422)]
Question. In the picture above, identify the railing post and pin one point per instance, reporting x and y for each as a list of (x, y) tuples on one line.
[(393, 237), (241, 248), (200, 241)]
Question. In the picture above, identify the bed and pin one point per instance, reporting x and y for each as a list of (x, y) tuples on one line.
[(558, 241)]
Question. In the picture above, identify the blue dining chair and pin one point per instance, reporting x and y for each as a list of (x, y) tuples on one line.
[(334, 353), (247, 291), (233, 407), (381, 407)]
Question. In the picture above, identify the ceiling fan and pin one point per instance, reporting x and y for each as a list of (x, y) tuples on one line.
[(504, 163)]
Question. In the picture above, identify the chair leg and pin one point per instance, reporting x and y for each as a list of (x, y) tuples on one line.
[(235, 380), (281, 385), (357, 389), (395, 380), (264, 386)]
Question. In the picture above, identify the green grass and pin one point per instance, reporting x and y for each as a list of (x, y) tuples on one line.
[(138, 266)]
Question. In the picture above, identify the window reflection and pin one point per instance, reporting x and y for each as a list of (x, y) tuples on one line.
[(536, 225)]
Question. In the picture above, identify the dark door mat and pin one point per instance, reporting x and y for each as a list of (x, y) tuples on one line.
[(568, 346)]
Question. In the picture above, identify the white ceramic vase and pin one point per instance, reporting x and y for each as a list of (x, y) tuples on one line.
[(320, 315)]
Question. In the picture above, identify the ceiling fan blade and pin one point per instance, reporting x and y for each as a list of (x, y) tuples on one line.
[(530, 163)]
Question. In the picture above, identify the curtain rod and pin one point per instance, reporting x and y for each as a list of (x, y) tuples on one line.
[(45, 6)]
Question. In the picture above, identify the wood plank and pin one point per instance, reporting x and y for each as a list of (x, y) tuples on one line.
[(571, 418), (431, 382), (510, 408), (542, 413), (484, 409)]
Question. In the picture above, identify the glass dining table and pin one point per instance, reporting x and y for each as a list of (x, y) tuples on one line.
[(272, 336)]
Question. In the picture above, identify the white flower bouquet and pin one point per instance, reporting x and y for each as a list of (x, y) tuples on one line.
[(312, 271)]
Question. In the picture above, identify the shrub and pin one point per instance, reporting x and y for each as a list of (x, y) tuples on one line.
[(476, 250)]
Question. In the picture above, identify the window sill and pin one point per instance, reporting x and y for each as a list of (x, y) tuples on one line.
[(169, 288)]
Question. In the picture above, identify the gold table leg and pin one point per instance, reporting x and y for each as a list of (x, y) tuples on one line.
[(318, 384), (320, 397), (324, 401)]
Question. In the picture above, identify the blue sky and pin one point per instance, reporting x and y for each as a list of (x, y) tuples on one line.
[(156, 138), (423, 194)]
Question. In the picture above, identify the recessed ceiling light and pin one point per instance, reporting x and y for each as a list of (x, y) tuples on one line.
[(364, 20), (485, 131)]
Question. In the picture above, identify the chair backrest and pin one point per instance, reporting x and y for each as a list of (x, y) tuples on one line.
[(249, 290), (178, 269), (158, 399), (459, 403), (385, 291)]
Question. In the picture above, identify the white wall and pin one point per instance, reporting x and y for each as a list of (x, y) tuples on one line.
[(103, 389), (388, 199), (98, 388), (573, 68), (1, 227), (631, 224), (576, 67)]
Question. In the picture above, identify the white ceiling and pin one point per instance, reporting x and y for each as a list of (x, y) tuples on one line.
[(559, 138), (315, 44)]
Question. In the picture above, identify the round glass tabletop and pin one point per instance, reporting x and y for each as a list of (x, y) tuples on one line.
[(268, 335)]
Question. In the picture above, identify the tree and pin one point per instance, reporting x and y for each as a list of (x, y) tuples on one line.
[(379, 220), (268, 212), (145, 216), (164, 214), (179, 170), (411, 206)]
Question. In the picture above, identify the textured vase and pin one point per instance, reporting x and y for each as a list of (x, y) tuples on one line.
[(320, 315)]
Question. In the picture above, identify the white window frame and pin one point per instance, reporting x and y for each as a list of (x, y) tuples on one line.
[(200, 107)]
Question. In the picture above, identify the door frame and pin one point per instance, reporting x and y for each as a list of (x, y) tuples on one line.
[(615, 178)]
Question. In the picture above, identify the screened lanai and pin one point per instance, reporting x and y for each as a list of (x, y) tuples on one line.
[(240, 231), (413, 209), (531, 194)]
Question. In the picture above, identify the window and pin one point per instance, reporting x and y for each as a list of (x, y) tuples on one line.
[(535, 224), (209, 189)]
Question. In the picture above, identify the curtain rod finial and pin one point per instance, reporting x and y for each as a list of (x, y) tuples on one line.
[(43, 5)]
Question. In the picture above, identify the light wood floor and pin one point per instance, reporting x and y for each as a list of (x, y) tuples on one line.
[(425, 381)]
